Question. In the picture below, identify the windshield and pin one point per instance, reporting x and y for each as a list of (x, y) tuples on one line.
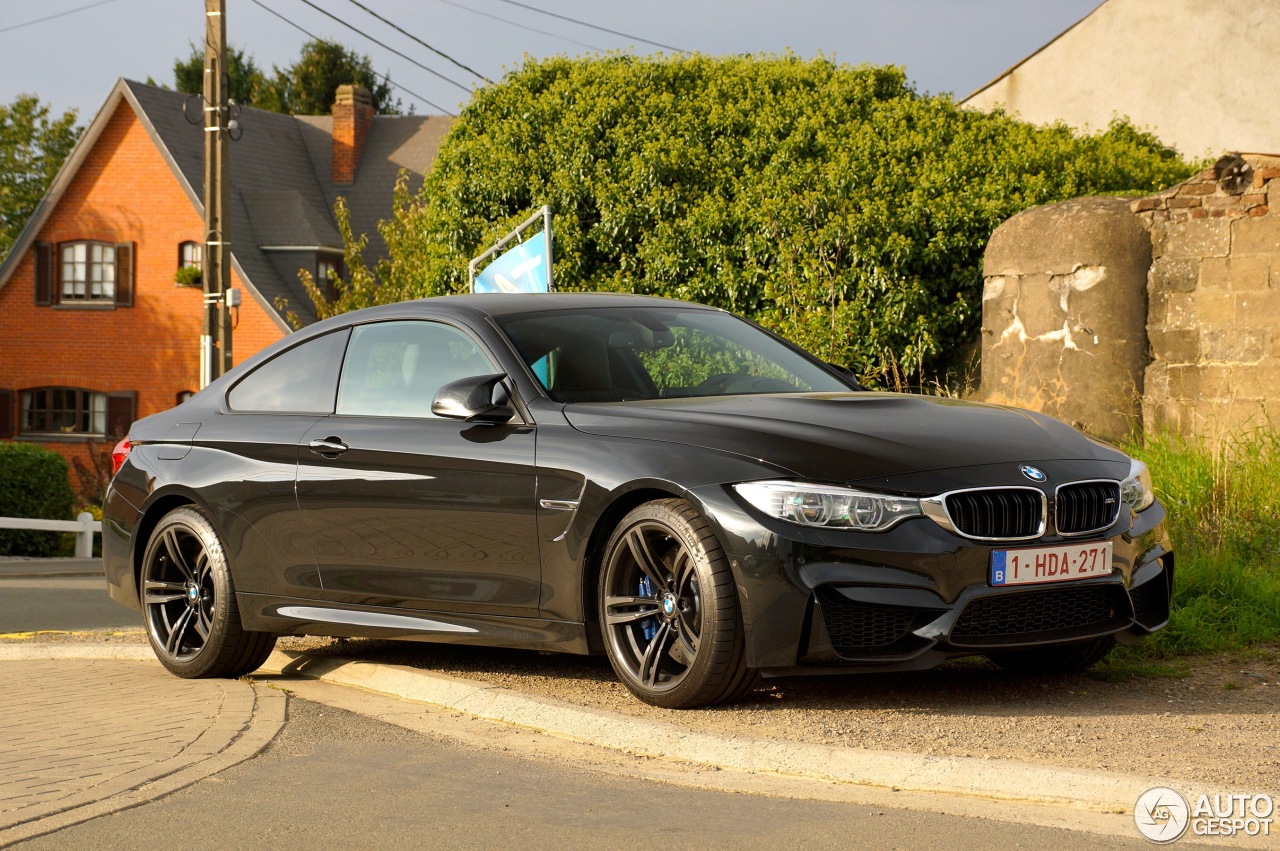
[(619, 354)]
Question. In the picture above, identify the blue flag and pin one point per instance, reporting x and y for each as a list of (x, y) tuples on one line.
[(521, 269)]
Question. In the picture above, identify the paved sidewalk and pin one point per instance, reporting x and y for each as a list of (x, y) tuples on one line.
[(85, 737)]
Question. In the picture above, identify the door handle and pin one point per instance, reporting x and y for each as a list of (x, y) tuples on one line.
[(329, 447)]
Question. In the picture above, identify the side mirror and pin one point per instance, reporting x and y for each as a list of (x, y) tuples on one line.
[(471, 400)]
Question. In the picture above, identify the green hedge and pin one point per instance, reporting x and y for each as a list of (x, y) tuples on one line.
[(34, 482), (834, 204)]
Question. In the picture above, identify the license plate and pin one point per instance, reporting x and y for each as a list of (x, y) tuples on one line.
[(1060, 563)]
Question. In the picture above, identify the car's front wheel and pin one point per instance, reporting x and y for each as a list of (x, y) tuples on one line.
[(189, 601), (669, 609), (1055, 658)]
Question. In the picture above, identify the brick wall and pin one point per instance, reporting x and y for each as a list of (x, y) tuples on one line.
[(1214, 299), (151, 348), (352, 118)]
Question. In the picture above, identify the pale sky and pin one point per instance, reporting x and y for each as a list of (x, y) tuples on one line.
[(945, 45)]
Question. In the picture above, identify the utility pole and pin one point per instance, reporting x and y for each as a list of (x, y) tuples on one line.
[(215, 348)]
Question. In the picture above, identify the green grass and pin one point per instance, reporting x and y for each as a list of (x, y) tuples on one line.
[(1223, 502), (1125, 663)]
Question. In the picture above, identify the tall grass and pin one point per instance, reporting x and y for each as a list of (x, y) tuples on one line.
[(1223, 502)]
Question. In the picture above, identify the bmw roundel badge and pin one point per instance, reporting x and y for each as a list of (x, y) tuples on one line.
[(1035, 474)]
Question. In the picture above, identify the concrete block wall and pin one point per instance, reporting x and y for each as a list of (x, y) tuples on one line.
[(1064, 314)]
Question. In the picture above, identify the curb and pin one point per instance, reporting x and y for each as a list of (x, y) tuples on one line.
[(56, 652), (991, 779), (998, 780)]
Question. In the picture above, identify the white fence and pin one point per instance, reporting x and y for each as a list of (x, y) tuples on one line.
[(84, 526)]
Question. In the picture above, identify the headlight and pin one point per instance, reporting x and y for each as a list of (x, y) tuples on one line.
[(829, 507), (1136, 489)]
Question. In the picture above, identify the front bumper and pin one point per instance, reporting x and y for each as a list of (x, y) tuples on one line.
[(833, 601)]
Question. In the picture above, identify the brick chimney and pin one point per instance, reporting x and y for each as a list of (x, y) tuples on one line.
[(352, 117)]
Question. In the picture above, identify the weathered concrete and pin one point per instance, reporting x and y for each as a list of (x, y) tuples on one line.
[(1064, 313), (1064, 316), (1199, 74)]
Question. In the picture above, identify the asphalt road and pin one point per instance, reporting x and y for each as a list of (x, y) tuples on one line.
[(333, 779), (61, 603)]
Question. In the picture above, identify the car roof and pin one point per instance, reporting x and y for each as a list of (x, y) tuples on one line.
[(501, 304)]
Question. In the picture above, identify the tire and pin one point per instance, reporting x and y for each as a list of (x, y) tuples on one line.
[(1055, 658), (189, 602), (669, 610)]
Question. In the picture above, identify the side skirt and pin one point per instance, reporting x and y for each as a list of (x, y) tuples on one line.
[(296, 616)]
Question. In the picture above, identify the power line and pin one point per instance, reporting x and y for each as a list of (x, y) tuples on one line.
[(410, 35), (591, 26), (387, 47), (59, 15), (383, 77), (520, 25)]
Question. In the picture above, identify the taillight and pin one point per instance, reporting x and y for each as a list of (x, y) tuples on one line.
[(119, 454)]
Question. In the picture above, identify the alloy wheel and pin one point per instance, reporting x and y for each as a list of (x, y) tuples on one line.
[(179, 593), (653, 606)]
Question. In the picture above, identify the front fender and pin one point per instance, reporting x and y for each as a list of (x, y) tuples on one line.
[(607, 476)]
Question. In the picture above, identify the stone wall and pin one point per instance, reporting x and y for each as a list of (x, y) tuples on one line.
[(1166, 308), (1214, 301)]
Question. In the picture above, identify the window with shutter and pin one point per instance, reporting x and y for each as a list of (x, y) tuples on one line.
[(88, 272), (6, 413), (124, 275), (62, 411), (121, 412), (44, 273)]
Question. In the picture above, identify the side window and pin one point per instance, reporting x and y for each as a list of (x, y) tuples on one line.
[(303, 380), (394, 369)]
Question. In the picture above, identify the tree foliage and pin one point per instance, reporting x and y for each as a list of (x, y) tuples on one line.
[(306, 87), (832, 203), (359, 288), (246, 82), (33, 147)]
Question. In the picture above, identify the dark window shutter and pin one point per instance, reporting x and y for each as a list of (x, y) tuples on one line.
[(6, 413), (121, 412), (124, 275), (44, 273)]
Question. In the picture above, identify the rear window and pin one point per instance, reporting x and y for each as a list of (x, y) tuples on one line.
[(302, 380)]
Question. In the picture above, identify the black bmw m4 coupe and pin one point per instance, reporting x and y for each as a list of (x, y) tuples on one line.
[(659, 481)]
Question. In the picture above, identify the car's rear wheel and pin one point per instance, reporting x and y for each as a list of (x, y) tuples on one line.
[(669, 609), (1055, 658), (189, 601)]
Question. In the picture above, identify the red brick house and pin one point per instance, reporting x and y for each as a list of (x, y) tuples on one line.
[(94, 330)]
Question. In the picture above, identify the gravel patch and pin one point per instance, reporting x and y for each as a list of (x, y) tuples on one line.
[(1218, 723)]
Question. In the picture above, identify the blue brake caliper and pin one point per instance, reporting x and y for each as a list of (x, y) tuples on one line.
[(649, 626)]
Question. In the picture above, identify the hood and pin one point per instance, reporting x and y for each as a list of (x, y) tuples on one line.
[(847, 437)]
